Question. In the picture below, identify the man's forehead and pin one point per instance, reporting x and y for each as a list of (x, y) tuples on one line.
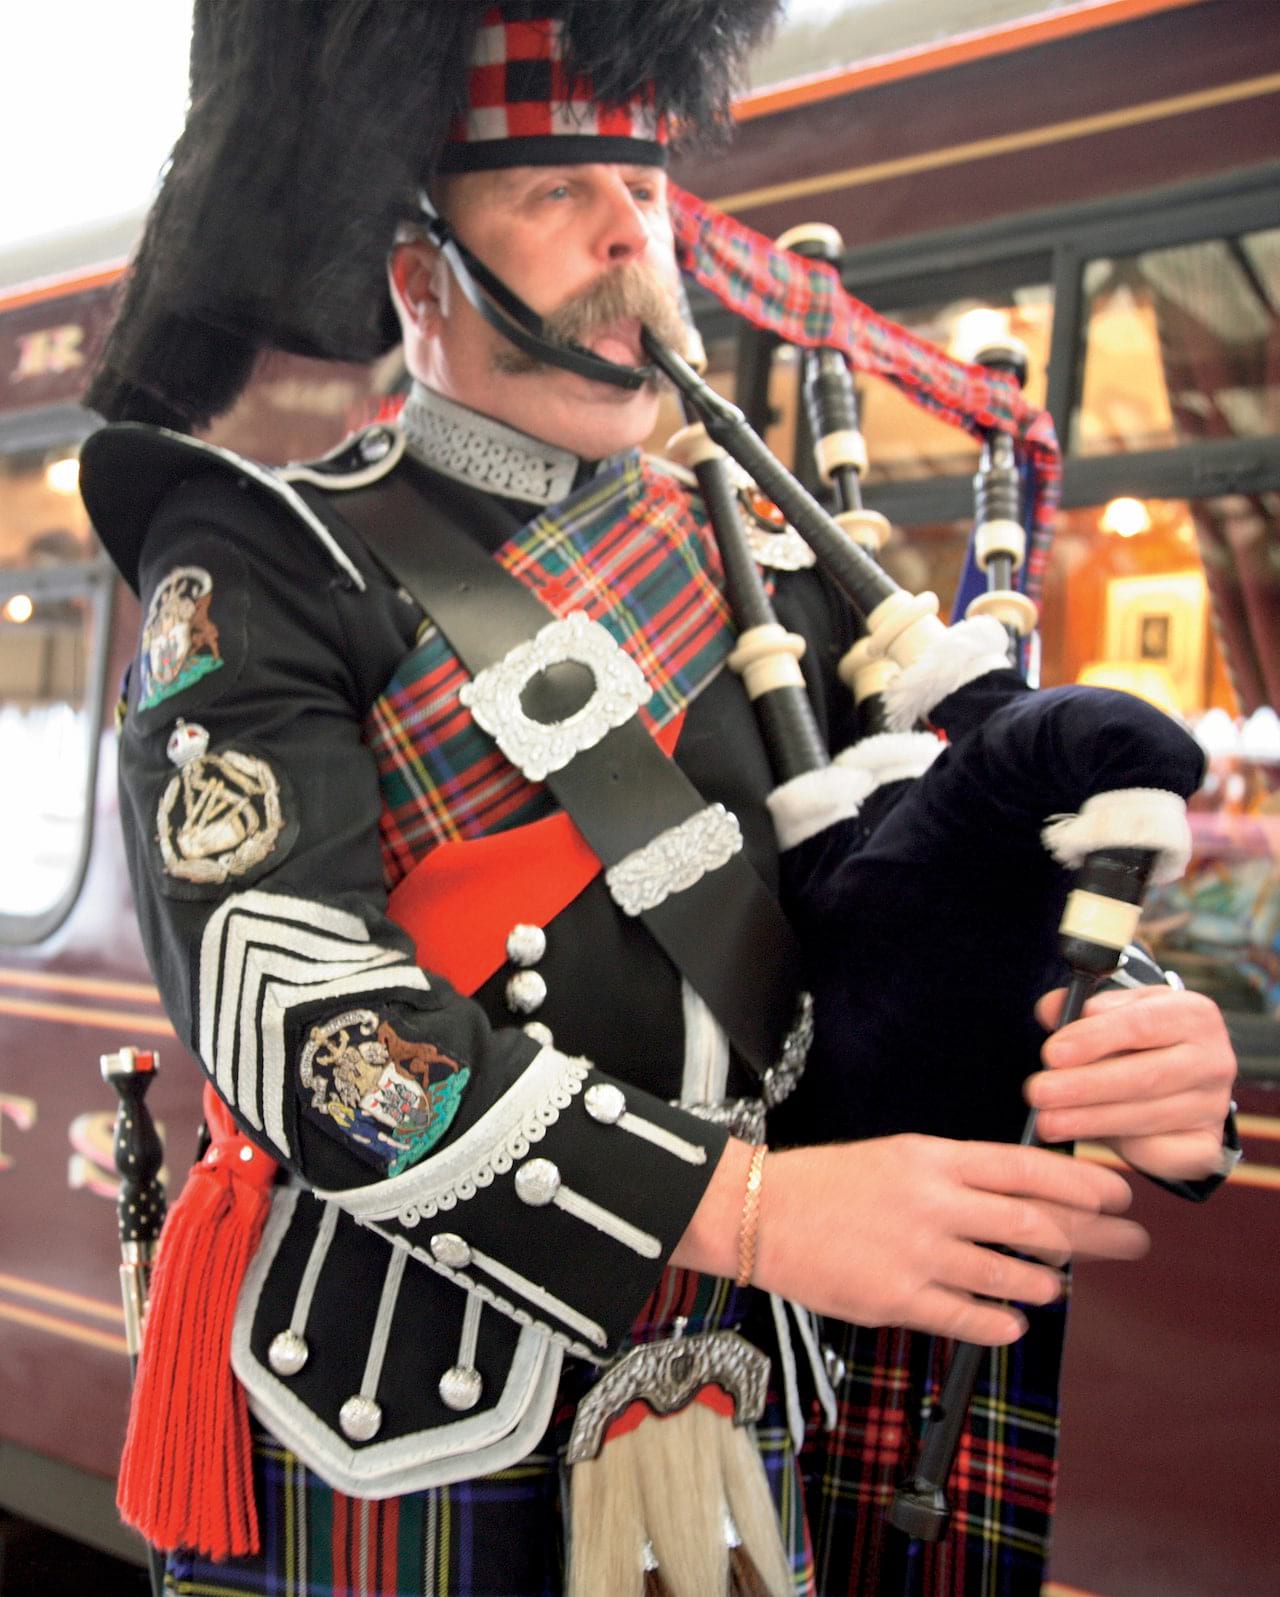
[(510, 181)]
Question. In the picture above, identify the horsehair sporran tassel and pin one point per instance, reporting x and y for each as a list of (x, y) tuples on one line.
[(683, 1498), (665, 1488), (607, 1528), (745, 1579), (654, 1584), (675, 1504), (758, 1565), (653, 1488)]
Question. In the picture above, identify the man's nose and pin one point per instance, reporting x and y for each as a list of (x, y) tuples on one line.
[(624, 232)]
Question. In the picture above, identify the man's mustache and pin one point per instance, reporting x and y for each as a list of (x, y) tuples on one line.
[(625, 293)]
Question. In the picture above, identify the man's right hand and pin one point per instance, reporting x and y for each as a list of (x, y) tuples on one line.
[(890, 1231)]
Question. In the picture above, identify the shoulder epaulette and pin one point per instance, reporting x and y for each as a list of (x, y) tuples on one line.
[(126, 470)]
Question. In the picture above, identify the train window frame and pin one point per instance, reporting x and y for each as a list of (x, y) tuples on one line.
[(93, 582)]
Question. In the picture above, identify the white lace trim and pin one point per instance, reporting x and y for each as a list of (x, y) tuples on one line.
[(471, 448), (490, 1148)]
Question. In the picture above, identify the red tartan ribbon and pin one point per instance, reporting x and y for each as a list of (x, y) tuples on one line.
[(805, 303)]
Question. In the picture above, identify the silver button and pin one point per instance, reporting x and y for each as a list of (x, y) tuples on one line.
[(541, 1034), (526, 944), (537, 1182), (374, 445), (605, 1102), (836, 1367), (460, 1387), (360, 1419), (526, 992), (287, 1353), (449, 1248)]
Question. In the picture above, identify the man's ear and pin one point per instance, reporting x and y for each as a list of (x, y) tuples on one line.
[(414, 268)]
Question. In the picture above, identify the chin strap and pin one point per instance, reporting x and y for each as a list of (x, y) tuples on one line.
[(507, 314)]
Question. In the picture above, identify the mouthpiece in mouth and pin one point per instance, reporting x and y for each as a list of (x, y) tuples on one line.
[(619, 342)]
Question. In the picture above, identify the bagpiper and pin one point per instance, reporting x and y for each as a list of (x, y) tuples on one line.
[(450, 840)]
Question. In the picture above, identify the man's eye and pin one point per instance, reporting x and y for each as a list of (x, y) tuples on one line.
[(559, 192)]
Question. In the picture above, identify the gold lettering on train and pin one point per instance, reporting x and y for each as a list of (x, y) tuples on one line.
[(91, 1165), (50, 352), (22, 1111)]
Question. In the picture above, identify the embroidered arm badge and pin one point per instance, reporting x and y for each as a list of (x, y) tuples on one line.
[(225, 815), (389, 1096), (179, 636)]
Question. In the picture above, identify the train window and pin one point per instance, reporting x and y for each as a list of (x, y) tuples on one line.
[(1181, 345), (1174, 599), (53, 598)]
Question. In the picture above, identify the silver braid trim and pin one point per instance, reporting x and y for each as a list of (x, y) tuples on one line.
[(471, 448)]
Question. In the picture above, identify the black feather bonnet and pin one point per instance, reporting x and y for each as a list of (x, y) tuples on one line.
[(311, 128)]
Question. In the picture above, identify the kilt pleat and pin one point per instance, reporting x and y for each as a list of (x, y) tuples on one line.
[(1001, 1490)]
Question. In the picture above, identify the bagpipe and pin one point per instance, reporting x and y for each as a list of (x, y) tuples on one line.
[(939, 884)]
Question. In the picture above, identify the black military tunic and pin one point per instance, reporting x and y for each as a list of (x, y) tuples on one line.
[(459, 1150)]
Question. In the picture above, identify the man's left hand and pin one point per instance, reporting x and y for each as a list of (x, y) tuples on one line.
[(1147, 1070)]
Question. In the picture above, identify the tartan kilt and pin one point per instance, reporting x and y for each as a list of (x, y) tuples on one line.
[(498, 1535), (1000, 1492)]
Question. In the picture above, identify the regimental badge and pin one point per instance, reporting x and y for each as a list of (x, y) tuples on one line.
[(219, 817), (179, 639), (394, 1097)]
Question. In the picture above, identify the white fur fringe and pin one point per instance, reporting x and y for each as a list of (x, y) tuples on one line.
[(808, 804), (1130, 817), (891, 756), (967, 650)]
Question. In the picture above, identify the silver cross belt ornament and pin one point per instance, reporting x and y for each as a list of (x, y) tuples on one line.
[(535, 747)]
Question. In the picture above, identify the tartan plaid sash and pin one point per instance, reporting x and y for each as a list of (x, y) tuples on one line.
[(630, 550), (805, 303)]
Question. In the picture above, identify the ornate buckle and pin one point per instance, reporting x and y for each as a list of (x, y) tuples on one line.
[(780, 1079), (674, 860), (537, 748)]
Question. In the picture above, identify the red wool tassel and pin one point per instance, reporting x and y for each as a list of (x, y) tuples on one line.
[(186, 1476)]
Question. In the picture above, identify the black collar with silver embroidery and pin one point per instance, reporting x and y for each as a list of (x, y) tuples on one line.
[(471, 448)]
